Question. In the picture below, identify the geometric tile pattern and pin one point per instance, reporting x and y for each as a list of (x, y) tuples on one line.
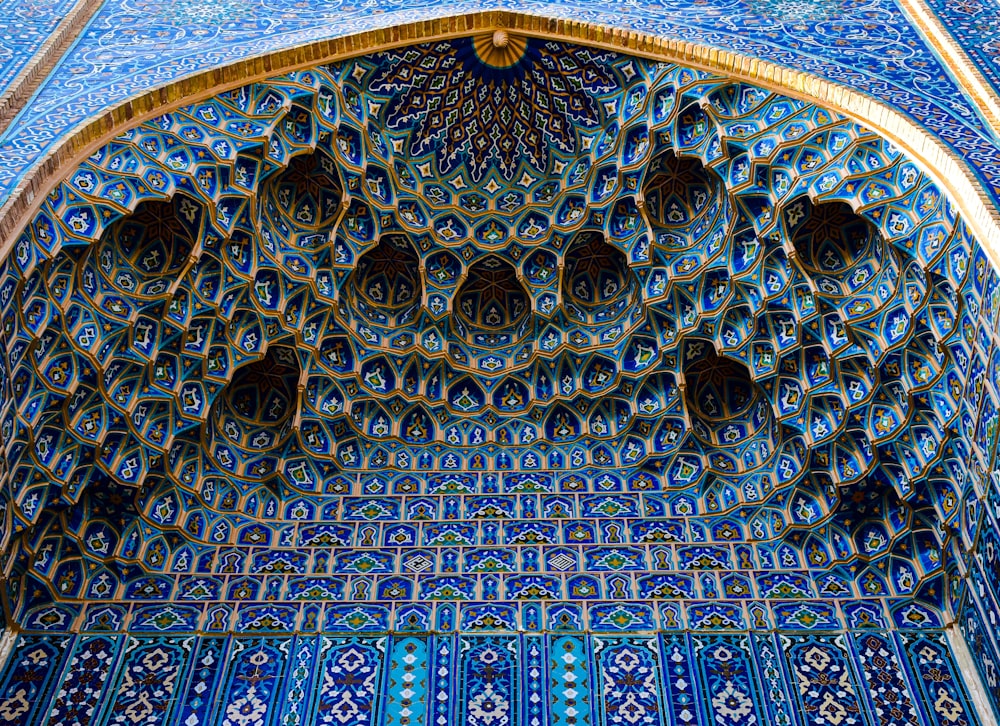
[(652, 335), (560, 679), (501, 372)]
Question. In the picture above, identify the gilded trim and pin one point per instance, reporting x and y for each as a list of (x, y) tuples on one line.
[(31, 76), (943, 166), (968, 76)]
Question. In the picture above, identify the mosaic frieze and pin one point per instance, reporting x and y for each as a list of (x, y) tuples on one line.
[(504, 679), (151, 673), (33, 665), (935, 678)]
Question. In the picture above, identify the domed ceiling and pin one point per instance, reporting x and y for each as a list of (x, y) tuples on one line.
[(495, 321)]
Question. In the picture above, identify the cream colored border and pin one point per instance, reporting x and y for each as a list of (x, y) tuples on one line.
[(945, 168), (970, 675), (7, 641), (959, 63), (41, 64)]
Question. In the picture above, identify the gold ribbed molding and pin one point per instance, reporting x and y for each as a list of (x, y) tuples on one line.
[(41, 64), (500, 49), (957, 60), (939, 162)]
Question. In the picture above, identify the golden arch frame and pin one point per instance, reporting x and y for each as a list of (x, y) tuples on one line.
[(942, 164)]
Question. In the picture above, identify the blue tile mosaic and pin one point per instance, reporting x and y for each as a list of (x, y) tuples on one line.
[(25, 26), (615, 384), (498, 381), (503, 679), (973, 25)]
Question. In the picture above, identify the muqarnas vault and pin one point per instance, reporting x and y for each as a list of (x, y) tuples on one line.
[(497, 381)]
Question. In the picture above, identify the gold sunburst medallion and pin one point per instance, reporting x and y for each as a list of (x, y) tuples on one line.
[(500, 48)]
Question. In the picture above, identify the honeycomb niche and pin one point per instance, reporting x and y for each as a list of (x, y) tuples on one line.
[(686, 202), (251, 421), (597, 286), (144, 253), (727, 409), (385, 287), (493, 307), (843, 252), (300, 204)]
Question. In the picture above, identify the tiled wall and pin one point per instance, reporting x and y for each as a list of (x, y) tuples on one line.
[(863, 677)]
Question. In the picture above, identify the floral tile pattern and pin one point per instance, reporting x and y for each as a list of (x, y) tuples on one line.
[(500, 679), (25, 25)]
